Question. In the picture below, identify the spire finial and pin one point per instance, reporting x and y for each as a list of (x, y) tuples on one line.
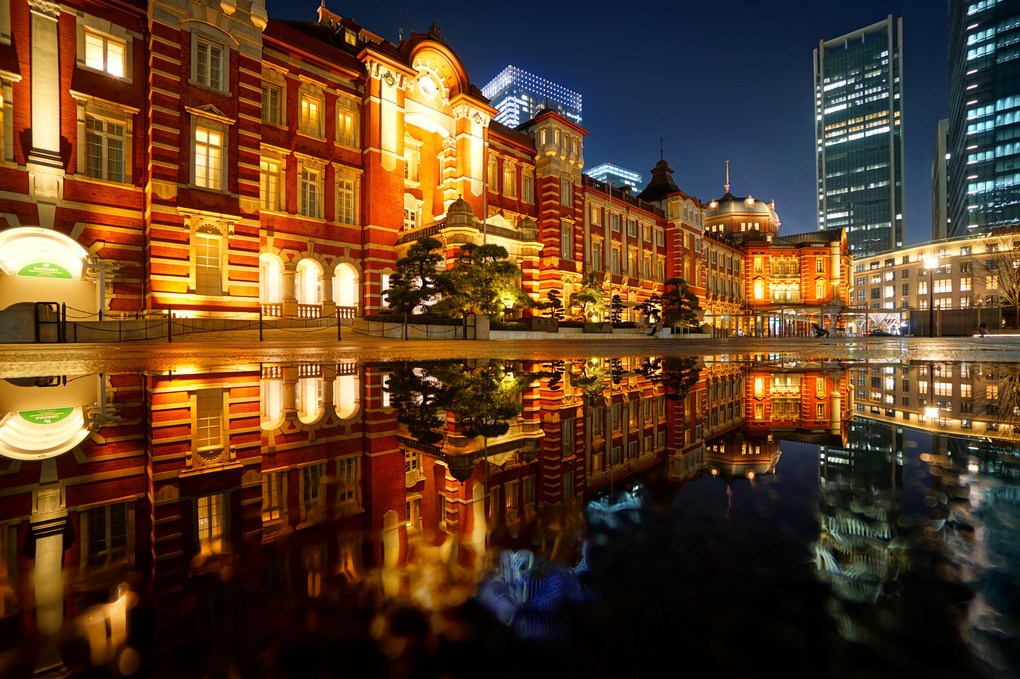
[(660, 149), (727, 176)]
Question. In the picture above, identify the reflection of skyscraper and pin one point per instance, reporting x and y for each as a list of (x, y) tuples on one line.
[(859, 488), (859, 136), (520, 96)]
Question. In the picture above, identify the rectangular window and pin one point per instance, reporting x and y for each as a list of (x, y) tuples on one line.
[(107, 536), (269, 185), (272, 97), (614, 222), (209, 65), (410, 219), (348, 478), (208, 158), (512, 501), (104, 149), (345, 201), (566, 192), (966, 267), (567, 429), (210, 521), (567, 479), (309, 193), (906, 289), (819, 265), (632, 228), (595, 215), (528, 188), (347, 121), (208, 425), (992, 282), (596, 255), (509, 180), (819, 411), (104, 53), (529, 490), (272, 497), (310, 118), (966, 283), (992, 392), (566, 241), (614, 266), (208, 276)]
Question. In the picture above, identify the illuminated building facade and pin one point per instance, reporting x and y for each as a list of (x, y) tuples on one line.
[(203, 160), (859, 136), (966, 279), (519, 96), (779, 285), (616, 176), (984, 93)]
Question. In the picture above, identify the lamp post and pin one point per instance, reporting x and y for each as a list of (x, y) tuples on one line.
[(930, 265)]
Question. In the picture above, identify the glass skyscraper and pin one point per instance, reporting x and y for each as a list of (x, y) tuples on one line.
[(984, 115), (520, 96), (859, 136), (617, 176)]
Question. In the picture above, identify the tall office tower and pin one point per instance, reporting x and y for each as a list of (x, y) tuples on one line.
[(617, 176), (859, 136), (939, 166), (520, 96), (984, 115)]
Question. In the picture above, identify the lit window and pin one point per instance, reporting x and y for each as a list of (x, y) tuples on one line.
[(210, 523), (410, 219), (566, 240), (208, 157), (209, 64), (345, 203), (269, 185), (104, 54), (347, 121), (509, 180), (527, 189), (208, 276), (104, 149), (310, 203), (310, 116), (272, 98), (566, 192), (208, 422)]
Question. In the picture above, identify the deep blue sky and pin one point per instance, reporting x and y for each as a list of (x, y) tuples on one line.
[(716, 80)]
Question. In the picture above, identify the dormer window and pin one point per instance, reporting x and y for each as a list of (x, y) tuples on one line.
[(349, 37)]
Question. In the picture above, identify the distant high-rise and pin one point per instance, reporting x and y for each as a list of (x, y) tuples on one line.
[(859, 136), (984, 115), (520, 96), (939, 162), (617, 176)]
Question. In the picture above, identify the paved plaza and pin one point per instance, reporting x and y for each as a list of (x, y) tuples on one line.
[(215, 350)]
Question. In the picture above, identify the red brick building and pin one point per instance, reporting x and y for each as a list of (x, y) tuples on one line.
[(201, 157)]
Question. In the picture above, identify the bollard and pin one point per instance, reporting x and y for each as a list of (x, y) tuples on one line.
[(338, 337)]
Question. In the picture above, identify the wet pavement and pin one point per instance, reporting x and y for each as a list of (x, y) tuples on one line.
[(46, 359)]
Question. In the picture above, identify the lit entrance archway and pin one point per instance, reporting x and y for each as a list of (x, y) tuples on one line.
[(271, 284), (308, 288), (345, 286)]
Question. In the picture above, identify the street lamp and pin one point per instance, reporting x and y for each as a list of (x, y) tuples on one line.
[(930, 265)]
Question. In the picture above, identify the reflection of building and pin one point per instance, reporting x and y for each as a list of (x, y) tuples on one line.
[(982, 190), (969, 399), (519, 96), (616, 176), (299, 478), (859, 136), (859, 486)]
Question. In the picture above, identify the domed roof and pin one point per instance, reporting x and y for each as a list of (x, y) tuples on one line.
[(459, 206), (730, 204)]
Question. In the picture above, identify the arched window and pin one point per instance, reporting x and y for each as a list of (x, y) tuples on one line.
[(308, 285), (346, 396), (270, 279), (345, 285)]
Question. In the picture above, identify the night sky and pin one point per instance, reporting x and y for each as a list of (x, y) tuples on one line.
[(715, 80)]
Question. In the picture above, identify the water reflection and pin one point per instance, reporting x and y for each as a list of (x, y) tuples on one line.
[(415, 514)]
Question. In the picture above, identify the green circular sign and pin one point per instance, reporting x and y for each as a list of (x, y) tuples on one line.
[(44, 270), (46, 415)]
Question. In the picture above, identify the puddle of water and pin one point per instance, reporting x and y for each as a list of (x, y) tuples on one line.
[(452, 518)]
